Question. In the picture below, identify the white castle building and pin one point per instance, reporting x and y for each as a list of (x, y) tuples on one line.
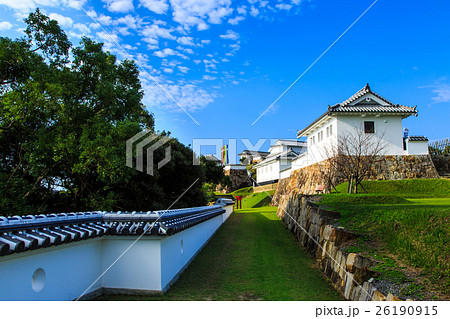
[(365, 112)]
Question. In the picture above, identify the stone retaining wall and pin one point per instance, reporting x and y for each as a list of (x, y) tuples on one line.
[(442, 164), (239, 178), (314, 227)]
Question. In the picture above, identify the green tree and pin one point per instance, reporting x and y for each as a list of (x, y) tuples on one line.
[(64, 126)]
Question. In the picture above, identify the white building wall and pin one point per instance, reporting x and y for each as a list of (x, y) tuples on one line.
[(388, 128), (139, 268), (417, 147), (320, 150), (268, 172), (285, 173), (178, 250), (69, 270)]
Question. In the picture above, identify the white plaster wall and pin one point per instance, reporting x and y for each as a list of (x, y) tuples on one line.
[(285, 174), (320, 151), (179, 249), (269, 172), (138, 268), (388, 128), (299, 162), (69, 270), (417, 147)]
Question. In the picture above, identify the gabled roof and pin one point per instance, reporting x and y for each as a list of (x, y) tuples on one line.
[(354, 104), (286, 155), (247, 152), (211, 157), (363, 101), (290, 143)]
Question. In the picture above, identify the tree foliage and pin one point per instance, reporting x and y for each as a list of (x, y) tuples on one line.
[(64, 124)]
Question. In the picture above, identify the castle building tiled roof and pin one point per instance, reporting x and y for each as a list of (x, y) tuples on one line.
[(369, 105), (365, 101)]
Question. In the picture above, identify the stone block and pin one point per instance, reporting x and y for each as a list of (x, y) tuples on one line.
[(348, 285), (378, 296), (391, 297)]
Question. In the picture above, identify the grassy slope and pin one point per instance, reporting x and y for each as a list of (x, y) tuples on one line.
[(251, 257), (411, 217)]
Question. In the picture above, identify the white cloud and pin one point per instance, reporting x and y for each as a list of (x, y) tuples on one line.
[(104, 19), (242, 10), (62, 20), (108, 38), (130, 21), (186, 41), (235, 20), (123, 31), (168, 70), (283, 6), (189, 96), (5, 25), (157, 6), (216, 15), (83, 28), (253, 11), (166, 52), (154, 32), (194, 12), (128, 47), (442, 90), (29, 5), (230, 35), (183, 69), (208, 77), (119, 5), (206, 41)]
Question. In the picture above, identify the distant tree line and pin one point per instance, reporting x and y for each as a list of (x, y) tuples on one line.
[(65, 115)]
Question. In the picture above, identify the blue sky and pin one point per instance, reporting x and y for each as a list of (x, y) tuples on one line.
[(226, 61)]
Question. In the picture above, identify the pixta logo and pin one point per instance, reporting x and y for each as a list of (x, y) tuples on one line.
[(146, 143)]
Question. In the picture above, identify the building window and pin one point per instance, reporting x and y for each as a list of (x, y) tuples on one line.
[(320, 136), (369, 127), (331, 130), (328, 131)]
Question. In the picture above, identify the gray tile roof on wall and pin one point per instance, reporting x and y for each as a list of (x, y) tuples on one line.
[(417, 138), (23, 233)]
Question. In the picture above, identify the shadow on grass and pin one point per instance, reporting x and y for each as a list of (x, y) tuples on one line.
[(251, 257)]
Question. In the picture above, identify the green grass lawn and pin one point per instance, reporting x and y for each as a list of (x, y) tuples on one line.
[(251, 257), (410, 217)]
